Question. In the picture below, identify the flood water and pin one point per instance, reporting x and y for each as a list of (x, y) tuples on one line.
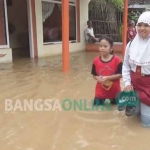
[(57, 129)]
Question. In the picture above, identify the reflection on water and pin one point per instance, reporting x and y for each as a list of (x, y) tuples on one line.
[(61, 130)]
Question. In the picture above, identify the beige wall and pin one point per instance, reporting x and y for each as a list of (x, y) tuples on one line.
[(17, 14), (48, 50)]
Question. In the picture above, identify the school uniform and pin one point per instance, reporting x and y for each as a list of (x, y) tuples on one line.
[(136, 69)]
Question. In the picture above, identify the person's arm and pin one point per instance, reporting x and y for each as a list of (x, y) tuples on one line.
[(110, 78), (126, 69), (117, 76), (92, 37), (128, 35), (89, 34), (93, 72), (96, 78)]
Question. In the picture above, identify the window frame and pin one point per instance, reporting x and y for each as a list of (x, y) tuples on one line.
[(71, 3), (6, 27)]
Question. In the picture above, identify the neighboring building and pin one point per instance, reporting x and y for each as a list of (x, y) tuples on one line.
[(136, 7), (138, 1), (35, 27), (139, 4)]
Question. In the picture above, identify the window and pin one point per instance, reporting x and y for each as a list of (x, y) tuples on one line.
[(52, 21), (3, 25)]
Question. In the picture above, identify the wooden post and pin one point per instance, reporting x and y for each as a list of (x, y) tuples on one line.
[(125, 25), (65, 35), (34, 28)]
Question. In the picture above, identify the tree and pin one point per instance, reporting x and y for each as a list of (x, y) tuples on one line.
[(117, 3)]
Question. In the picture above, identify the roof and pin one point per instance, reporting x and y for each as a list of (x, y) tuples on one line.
[(131, 2)]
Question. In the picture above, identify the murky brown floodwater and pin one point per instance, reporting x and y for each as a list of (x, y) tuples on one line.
[(62, 130)]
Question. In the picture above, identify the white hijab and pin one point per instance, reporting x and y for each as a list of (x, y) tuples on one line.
[(140, 48)]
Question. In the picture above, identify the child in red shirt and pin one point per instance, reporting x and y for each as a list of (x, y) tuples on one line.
[(131, 32), (107, 68)]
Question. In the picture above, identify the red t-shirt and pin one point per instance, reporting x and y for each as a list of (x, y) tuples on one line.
[(106, 69)]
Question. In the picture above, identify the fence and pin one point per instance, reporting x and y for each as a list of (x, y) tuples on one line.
[(106, 19)]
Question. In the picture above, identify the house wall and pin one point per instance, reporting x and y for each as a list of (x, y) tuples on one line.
[(54, 49)]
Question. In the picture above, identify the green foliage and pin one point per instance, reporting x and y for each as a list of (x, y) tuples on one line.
[(117, 3), (134, 14)]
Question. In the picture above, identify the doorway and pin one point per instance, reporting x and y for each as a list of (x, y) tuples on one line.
[(18, 28)]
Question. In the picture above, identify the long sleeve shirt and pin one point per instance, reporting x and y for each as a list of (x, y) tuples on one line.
[(129, 66)]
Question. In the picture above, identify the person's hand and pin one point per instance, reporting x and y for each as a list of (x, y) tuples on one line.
[(102, 79), (128, 88)]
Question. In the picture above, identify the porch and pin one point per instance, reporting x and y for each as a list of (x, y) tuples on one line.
[(94, 47)]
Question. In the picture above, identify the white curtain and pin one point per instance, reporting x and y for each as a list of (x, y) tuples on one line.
[(47, 9)]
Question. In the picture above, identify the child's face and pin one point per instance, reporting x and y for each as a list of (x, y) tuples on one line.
[(143, 30), (104, 47)]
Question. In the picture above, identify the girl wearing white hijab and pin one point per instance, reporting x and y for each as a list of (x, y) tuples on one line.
[(136, 68)]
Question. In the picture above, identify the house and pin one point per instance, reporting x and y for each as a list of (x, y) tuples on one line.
[(34, 27), (39, 28), (139, 4)]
